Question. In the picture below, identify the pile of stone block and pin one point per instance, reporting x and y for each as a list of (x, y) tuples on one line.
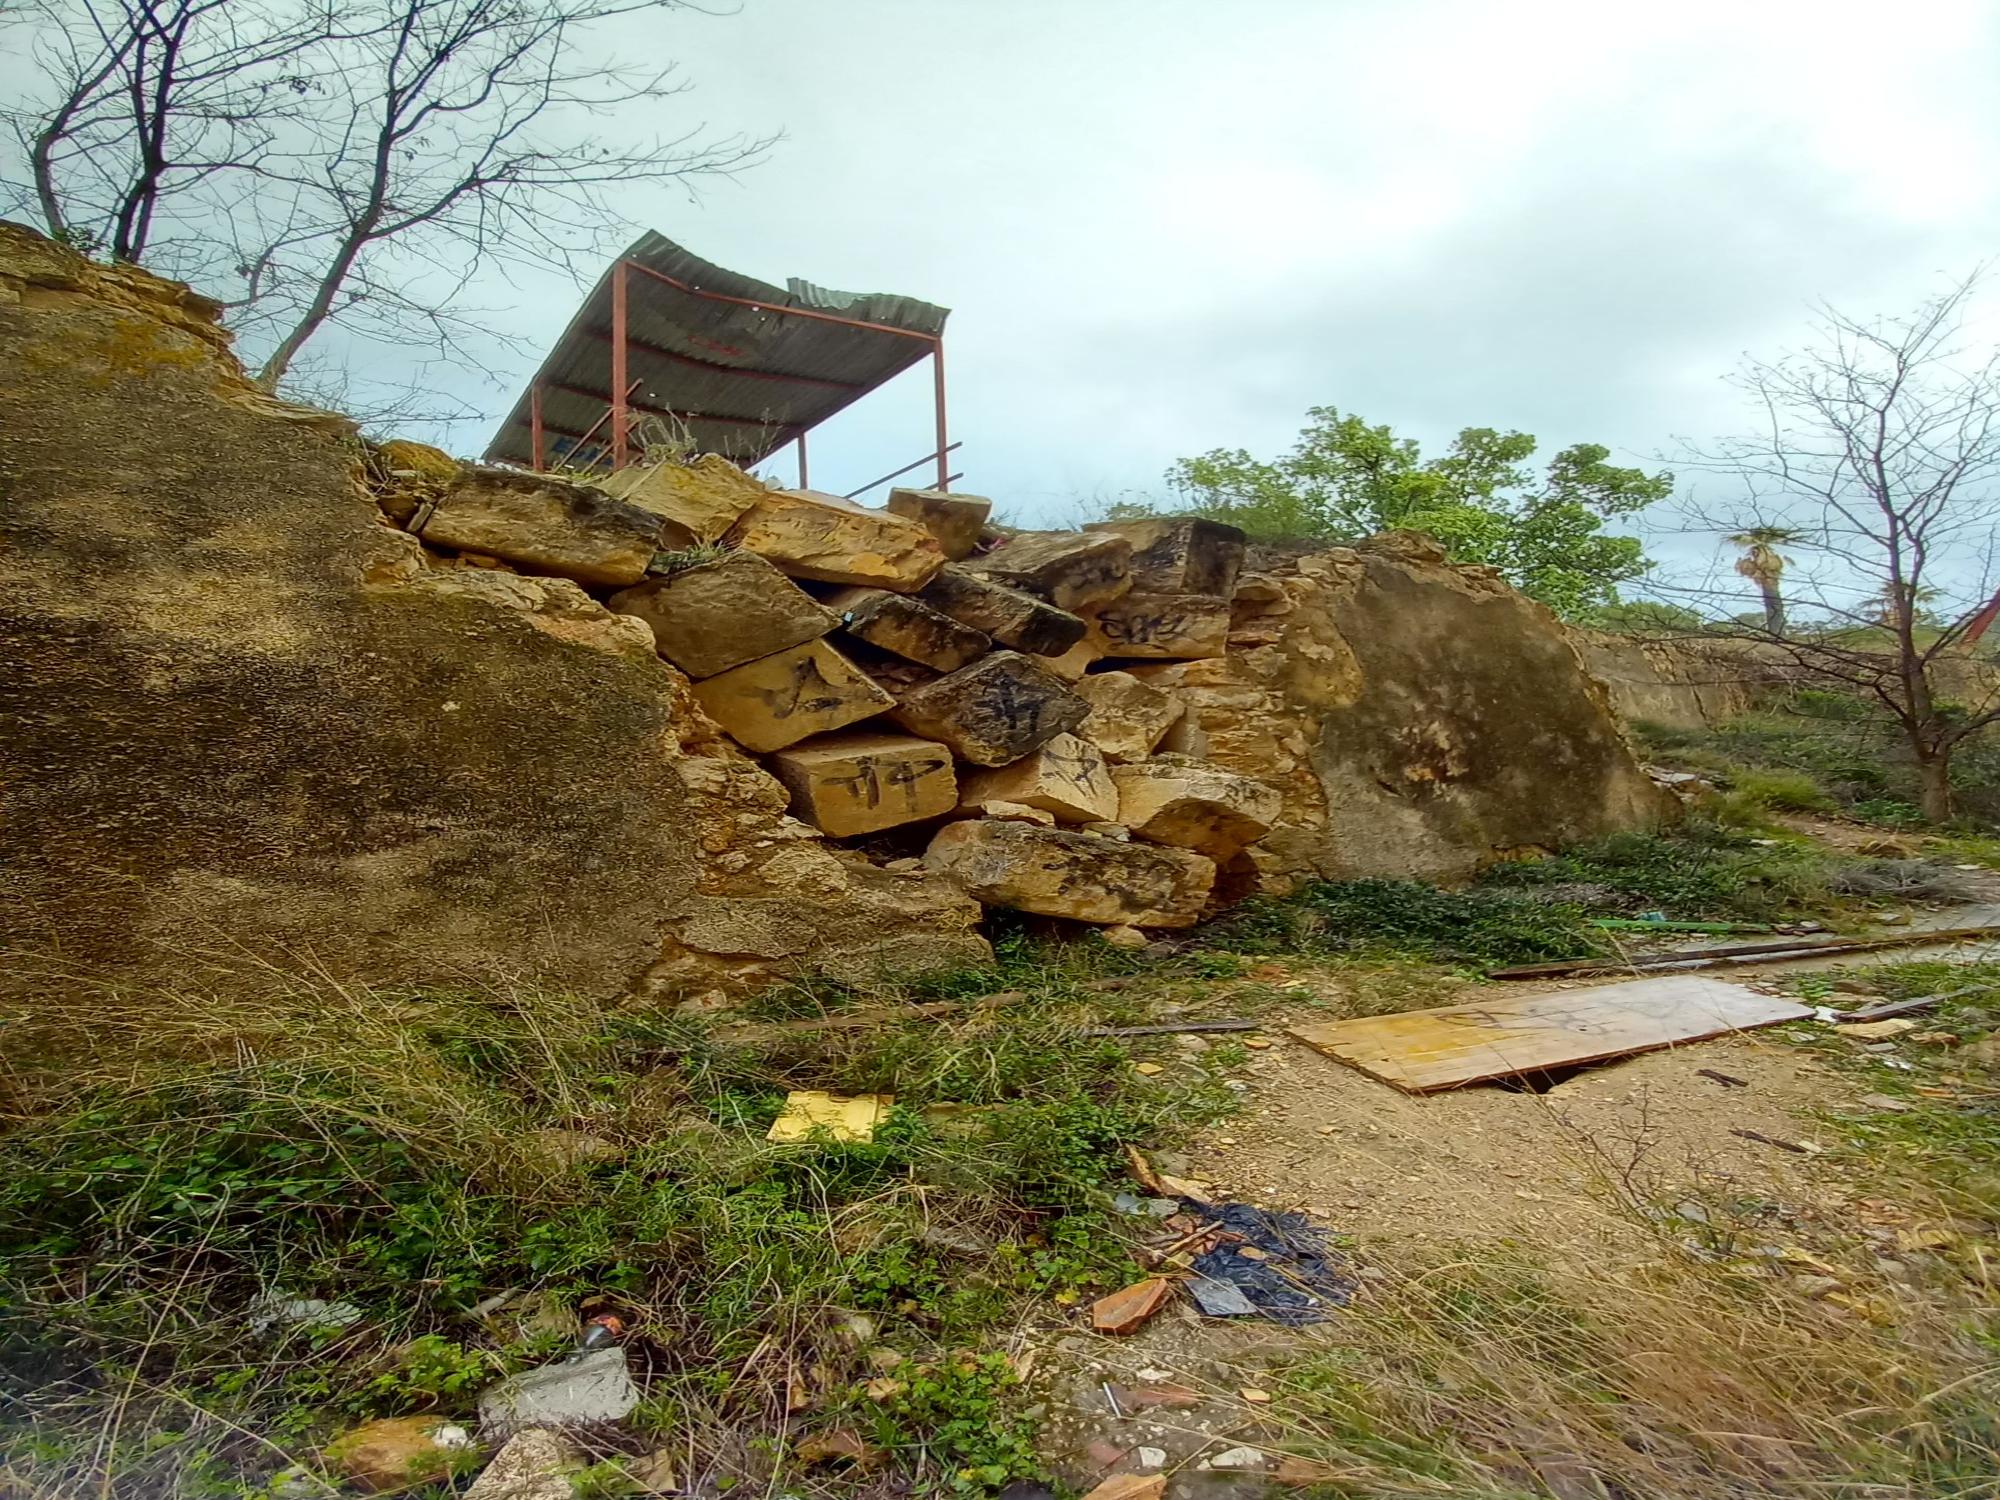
[(989, 694)]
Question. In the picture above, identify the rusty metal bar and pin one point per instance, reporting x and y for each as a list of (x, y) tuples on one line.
[(802, 460), (772, 307), (535, 426), (937, 401), (621, 418), (915, 463)]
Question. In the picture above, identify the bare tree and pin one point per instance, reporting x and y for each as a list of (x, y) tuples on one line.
[(1877, 461), (313, 163)]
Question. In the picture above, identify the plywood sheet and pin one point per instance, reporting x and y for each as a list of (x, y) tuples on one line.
[(1424, 1050)]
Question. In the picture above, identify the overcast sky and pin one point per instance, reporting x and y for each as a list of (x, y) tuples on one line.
[(1164, 227)]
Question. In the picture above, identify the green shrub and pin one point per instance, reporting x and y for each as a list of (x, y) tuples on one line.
[(1480, 928), (1788, 791)]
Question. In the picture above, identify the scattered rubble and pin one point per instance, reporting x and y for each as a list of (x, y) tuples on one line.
[(531, 1465), (587, 1389), (398, 1453)]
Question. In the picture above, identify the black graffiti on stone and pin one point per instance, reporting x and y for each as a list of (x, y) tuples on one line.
[(807, 692), (869, 777), (1141, 628), (1078, 767)]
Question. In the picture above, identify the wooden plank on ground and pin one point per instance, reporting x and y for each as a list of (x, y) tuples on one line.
[(1421, 1051)]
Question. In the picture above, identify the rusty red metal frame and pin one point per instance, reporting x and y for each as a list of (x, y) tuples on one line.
[(621, 405)]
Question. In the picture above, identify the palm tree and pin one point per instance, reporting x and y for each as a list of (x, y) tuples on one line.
[(1764, 566)]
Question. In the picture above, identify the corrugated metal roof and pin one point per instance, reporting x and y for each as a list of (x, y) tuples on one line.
[(744, 380)]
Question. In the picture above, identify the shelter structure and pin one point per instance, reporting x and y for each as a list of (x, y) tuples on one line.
[(669, 347)]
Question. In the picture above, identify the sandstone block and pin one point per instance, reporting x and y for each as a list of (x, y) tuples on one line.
[(781, 699), (547, 524), (1179, 627), (1056, 873), (1015, 812), (1127, 717), (1073, 663), (1073, 570), (395, 1453), (706, 496), (1195, 806), (823, 537), (1011, 617), (858, 782), (955, 520), (717, 615), (1180, 554), (909, 628), (996, 710), (1066, 777)]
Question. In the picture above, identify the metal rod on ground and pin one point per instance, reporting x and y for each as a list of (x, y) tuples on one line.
[(1741, 952), (916, 463), (1170, 1030)]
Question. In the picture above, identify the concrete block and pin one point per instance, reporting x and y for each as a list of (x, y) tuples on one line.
[(1180, 554), (859, 782), (1176, 627), (1194, 806), (1056, 873), (996, 710), (548, 524), (1128, 718), (717, 615), (906, 626), (1073, 570), (823, 537), (955, 520), (781, 699), (1066, 777), (1011, 617)]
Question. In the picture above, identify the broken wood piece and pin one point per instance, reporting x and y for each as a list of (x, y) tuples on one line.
[(1126, 1310), (1727, 1080), (1142, 1171), (1426, 1050), (1130, 1487), (1890, 1008), (1771, 1140)]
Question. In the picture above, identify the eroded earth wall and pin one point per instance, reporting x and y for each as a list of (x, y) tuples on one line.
[(272, 696)]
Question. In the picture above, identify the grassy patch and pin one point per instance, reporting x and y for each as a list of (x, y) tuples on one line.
[(1500, 1374), (190, 1152)]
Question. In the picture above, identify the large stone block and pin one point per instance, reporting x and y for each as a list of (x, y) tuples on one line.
[(547, 524), (793, 695), (1083, 876), (1073, 570), (1194, 806), (717, 615), (1011, 617), (908, 627), (705, 497), (1066, 777), (955, 520), (858, 782), (1174, 627), (1128, 718), (1180, 554), (823, 537), (996, 710)]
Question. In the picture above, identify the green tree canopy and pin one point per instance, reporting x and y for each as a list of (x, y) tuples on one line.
[(1481, 499)]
